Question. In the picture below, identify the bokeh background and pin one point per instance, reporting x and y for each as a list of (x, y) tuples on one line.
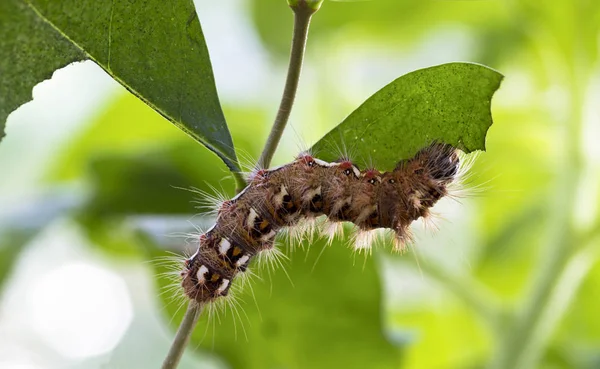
[(95, 192)]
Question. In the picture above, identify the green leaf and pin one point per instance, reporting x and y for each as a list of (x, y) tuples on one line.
[(330, 317), (155, 49), (31, 51), (449, 103), (12, 243)]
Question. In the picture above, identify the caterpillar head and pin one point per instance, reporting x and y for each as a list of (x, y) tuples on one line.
[(434, 166), (200, 281), (437, 162), (409, 191)]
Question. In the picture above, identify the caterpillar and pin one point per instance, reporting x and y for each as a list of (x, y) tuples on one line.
[(308, 188)]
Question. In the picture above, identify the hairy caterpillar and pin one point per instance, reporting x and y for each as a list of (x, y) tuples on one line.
[(307, 188)]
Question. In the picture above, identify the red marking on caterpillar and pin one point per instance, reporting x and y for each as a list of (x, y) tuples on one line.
[(305, 189)]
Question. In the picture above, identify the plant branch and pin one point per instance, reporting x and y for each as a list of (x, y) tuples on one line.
[(303, 11), (302, 15), (564, 292), (481, 300), (521, 337), (182, 336)]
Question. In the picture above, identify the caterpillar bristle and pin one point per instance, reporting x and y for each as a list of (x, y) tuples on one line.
[(246, 280), (304, 232), (233, 303), (248, 162), (363, 241), (218, 309), (272, 259), (206, 201), (341, 150), (430, 222), (331, 230), (344, 153), (400, 243), (310, 197), (461, 187)]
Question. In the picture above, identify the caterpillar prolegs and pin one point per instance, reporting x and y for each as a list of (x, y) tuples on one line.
[(308, 188)]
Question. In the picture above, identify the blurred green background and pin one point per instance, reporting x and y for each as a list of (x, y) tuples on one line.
[(95, 193)]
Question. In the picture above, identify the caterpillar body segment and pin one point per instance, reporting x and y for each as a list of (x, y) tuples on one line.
[(305, 189)]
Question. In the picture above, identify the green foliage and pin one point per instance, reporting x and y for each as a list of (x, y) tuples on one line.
[(449, 103), (157, 51), (386, 22), (336, 315), (126, 185), (35, 51)]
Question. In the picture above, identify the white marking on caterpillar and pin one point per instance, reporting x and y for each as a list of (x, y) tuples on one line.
[(224, 246), (223, 286), (251, 218), (200, 274), (364, 214), (268, 236), (340, 204), (278, 199), (312, 193), (242, 261), (324, 163)]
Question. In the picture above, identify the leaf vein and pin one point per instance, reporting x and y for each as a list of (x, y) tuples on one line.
[(110, 25)]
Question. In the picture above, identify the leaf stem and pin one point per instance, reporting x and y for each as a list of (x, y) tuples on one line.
[(302, 17), (182, 336), (240, 182)]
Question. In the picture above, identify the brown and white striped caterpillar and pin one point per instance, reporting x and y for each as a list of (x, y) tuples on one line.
[(305, 189)]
